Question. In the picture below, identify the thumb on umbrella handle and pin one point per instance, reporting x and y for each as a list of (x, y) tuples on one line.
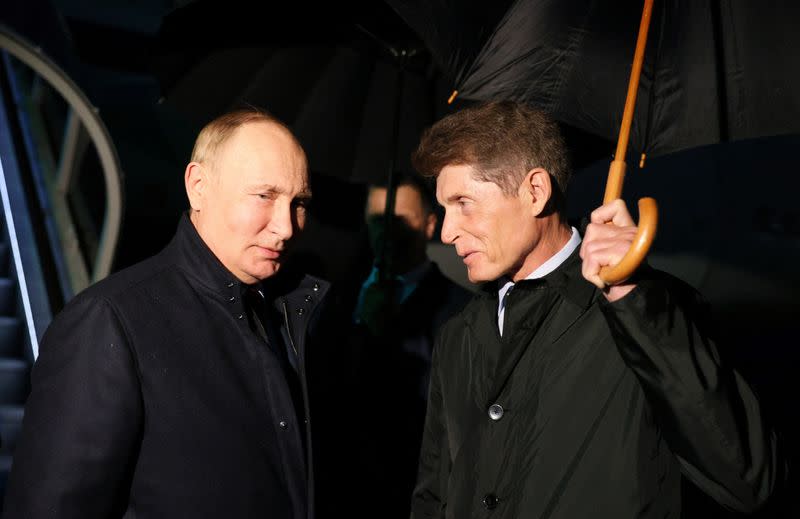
[(648, 221)]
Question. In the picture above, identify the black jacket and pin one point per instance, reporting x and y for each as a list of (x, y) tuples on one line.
[(153, 398), (586, 408)]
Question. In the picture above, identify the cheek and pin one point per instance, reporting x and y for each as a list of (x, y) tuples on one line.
[(501, 239), (249, 219)]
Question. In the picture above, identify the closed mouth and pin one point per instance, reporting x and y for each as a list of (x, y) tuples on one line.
[(270, 253)]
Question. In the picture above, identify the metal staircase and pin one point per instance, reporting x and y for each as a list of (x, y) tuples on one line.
[(51, 247), (14, 362)]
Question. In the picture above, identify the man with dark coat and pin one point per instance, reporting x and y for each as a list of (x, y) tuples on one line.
[(395, 322), (177, 387), (553, 395)]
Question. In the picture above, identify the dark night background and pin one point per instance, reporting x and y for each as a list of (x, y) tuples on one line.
[(729, 220)]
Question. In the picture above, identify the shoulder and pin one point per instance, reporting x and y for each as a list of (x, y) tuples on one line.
[(149, 272), (108, 300)]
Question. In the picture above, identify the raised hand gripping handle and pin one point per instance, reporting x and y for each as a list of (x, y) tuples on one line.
[(648, 221)]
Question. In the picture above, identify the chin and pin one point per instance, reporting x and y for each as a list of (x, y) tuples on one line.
[(266, 271), (477, 276)]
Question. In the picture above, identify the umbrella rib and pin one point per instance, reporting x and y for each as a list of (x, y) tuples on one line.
[(489, 78), (575, 41), (496, 29)]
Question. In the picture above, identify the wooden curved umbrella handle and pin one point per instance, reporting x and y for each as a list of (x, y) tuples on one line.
[(648, 221)]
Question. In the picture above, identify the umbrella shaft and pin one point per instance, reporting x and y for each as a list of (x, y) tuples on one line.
[(633, 83)]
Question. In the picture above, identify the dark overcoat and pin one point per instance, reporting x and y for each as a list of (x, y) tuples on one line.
[(585, 408), (153, 398)]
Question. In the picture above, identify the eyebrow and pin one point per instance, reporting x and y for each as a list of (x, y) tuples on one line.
[(454, 197), (303, 194)]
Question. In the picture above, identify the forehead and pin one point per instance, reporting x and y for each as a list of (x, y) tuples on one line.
[(263, 153), (462, 181), (455, 180)]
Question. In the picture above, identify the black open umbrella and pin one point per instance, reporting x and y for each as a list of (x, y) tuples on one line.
[(714, 70), (342, 77)]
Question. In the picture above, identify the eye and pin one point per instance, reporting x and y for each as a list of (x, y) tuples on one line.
[(265, 196)]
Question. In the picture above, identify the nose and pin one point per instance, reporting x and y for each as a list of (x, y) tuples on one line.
[(281, 222), (449, 233)]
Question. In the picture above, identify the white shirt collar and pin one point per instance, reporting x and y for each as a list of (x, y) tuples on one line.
[(544, 269)]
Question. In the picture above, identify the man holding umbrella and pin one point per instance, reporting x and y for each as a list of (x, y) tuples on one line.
[(551, 394)]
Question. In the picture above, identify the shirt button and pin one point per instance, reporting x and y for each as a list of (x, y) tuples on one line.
[(496, 412), (490, 501), (230, 285)]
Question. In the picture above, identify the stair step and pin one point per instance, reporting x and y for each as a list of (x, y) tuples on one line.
[(10, 425), (10, 337), (8, 296), (14, 381)]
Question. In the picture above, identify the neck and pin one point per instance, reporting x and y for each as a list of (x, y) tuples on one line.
[(554, 235)]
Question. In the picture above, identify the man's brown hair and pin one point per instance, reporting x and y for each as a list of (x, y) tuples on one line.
[(501, 140)]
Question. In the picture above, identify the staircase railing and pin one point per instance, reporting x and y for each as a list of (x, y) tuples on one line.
[(81, 120)]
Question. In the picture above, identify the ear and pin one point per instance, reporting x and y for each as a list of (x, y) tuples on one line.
[(195, 179), (430, 225), (538, 188)]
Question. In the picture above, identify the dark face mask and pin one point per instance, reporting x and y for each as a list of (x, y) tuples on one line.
[(406, 247)]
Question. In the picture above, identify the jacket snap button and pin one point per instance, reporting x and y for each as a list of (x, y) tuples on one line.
[(283, 424), (315, 288), (490, 501), (232, 299), (230, 285), (300, 311), (240, 316), (496, 412), (308, 298)]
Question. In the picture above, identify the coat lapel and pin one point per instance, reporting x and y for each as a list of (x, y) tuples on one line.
[(528, 309), (538, 312), (481, 326), (578, 294)]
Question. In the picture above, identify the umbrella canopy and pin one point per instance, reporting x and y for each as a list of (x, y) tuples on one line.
[(340, 77), (714, 70)]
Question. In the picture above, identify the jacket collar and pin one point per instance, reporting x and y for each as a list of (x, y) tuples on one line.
[(569, 281), (566, 279), (196, 259), (540, 325)]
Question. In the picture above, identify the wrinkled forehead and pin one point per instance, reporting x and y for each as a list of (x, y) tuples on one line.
[(265, 153), (455, 179)]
